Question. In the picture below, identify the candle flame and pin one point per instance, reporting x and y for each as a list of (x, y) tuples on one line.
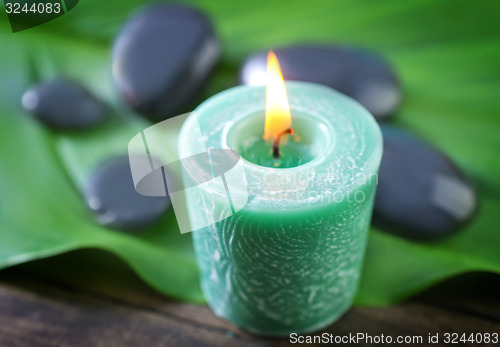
[(278, 117)]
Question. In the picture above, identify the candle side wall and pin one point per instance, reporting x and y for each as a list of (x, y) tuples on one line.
[(277, 272), (291, 258)]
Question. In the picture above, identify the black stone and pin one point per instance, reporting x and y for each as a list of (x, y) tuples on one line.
[(162, 57), (360, 74), (421, 193), (111, 195), (64, 105)]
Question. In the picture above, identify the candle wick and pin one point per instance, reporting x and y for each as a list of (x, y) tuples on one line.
[(276, 142)]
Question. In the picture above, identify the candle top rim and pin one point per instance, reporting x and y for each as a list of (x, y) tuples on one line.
[(355, 125)]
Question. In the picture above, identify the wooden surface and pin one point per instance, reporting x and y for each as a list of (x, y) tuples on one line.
[(90, 298)]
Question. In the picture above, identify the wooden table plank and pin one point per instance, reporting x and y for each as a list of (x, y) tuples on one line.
[(65, 302), (40, 315)]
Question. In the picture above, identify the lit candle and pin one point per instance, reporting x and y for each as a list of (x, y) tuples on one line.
[(265, 149), (290, 259)]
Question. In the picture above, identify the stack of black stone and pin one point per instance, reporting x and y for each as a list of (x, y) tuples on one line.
[(165, 54)]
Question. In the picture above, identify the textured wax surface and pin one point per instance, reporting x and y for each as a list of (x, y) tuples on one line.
[(290, 260), (280, 272)]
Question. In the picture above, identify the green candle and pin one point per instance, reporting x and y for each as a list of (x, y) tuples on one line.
[(290, 259)]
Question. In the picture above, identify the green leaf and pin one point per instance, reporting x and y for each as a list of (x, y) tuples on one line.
[(445, 52), (42, 173)]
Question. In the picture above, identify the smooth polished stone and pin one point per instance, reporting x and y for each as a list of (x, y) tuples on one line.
[(162, 57), (64, 105), (360, 74), (111, 195), (421, 193)]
